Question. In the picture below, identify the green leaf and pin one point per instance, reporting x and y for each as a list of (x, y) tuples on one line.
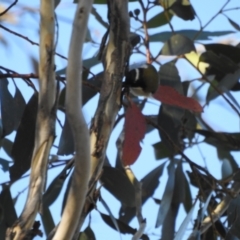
[(20, 105), (225, 85), (1, 128), (182, 229), (7, 146), (90, 89), (88, 36), (110, 214), (7, 108), (233, 213), (56, 2), (87, 234), (66, 143), (150, 182), (169, 76), (169, 117), (47, 220), (224, 154), (11, 107), (191, 34), (179, 193), (229, 165), (24, 141), (159, 20), (87, 63), (8, 213), (188, 196), (226, 141), (123, 227), (229, 51), (4, 164), (61, 99), (169, 120), (167, 195), (117, 183), (178, 197), (54, 189), (99, 1), (181, 9), (234, 24), (177, 45), (161, 151), (227, 170)]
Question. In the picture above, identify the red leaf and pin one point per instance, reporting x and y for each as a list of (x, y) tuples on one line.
[(170, 96), (134, 128)]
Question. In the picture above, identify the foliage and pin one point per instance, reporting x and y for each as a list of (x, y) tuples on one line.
[(180, 121)]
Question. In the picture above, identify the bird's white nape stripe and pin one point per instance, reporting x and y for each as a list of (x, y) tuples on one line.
[(137, 75)]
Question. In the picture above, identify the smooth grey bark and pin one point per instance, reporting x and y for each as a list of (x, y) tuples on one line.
[(45, 127), (80, 178)]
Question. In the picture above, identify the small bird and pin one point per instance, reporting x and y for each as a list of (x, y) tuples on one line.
[(143, 81)]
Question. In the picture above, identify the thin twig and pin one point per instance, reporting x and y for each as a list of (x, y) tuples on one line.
[(146, 39), (25, 78), (179, 151), (36, 76), (230, 9), (212, 18), (7, 9), (37, 44), (99, 18), (217, 212), (51, 166)]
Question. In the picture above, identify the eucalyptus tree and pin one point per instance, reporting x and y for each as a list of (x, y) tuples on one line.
[(60, 94)]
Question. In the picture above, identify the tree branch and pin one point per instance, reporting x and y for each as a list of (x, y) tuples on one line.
[(217, 212), (79, 183), (7, 9), (45, 127), (116, 54)]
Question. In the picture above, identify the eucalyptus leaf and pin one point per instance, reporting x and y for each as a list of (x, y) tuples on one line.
[(167, 195), (191, 34), (8, 212), (183, 227), (66, 143), (117, 183), (24, 141), (54, 189), (159, 20), (47, 220), (151, 181), (177, 45), (233, 214), (4, 164), (7, 108), (161, 151), (7, 146), (234, 24)]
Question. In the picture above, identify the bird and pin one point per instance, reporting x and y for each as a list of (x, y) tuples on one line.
[(143, 80)]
